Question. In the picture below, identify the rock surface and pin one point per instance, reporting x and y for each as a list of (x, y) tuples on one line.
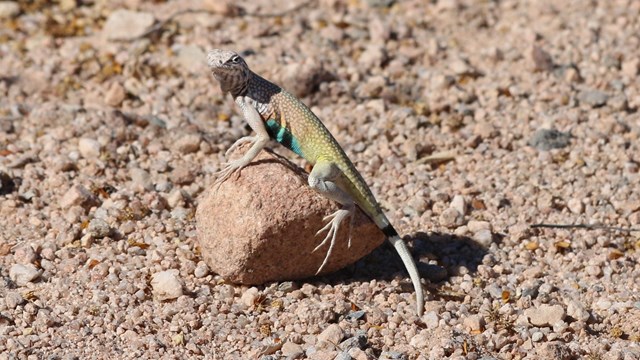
[(261, 226), (127, 24)]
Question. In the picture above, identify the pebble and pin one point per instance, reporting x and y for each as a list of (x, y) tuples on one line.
[(190, 58), (201, 270), (182, 175), (89, 148), (431, 319), (483, 237), (576, 310), (23, 274), (187, 144), (166, 285), (24, 254), (450, 218), (576, 206), (115, 95), (13, 299), (594, 98), (98, 228), (9, 9), (333, 334), (140, 179), (77, 195), (249, 297), (458, 202), (291, 350), (126, 24), (358, 341), (547, 139), (545, 315), (537, 336), (475, 226), (474, 323)]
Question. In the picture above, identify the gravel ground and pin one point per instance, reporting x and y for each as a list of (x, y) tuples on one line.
[(471, 120)]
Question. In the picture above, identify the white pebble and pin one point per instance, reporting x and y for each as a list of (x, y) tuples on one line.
[(23, 274), (89, 148), (166, 285)]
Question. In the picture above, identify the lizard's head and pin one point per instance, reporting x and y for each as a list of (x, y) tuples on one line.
[(229, 69)]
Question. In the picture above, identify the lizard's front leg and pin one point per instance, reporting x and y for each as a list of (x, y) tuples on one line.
[(323, 178), (258, 142)]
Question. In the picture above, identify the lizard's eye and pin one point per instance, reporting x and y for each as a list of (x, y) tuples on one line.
[(235, 59)]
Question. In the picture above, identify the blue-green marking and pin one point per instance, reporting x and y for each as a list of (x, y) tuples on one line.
[(283, 136)]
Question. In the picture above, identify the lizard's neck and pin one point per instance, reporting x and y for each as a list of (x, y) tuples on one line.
[(236, 84)]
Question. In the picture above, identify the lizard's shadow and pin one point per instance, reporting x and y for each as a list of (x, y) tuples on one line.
[(449, 251)]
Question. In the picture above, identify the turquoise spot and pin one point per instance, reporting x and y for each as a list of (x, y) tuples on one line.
[(283, 136)]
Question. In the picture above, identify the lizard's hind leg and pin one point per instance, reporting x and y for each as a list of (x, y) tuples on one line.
[(323, 179)]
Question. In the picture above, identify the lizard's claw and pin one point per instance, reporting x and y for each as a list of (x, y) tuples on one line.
[(238, 143), (229, 169), (332, 228)]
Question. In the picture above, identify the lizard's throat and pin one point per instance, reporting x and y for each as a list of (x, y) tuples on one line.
[(236, 84)]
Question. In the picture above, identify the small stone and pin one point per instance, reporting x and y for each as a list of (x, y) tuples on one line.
[(89, 148), (547, 139), (618, 102), (303, 78), (431, 319), (475, 226), (182, 175), (545, 315), (23, 274), (333, 334), (98, 228), (127, 24), (115, 95), (187, 144), (166, 285), (249, 297), (483, 237), (537, 336), (201, 270), (24, 254), (450, 218), (474, 323), (77, 195), (594, 98), (542, 61), (9, 9), (458, 202), (291, 350), (575, 206), (576, 310), (140, 179), (13, 299), (358, 341), (461, 67), (554, 350)]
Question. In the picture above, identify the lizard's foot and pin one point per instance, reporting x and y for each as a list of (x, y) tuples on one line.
[(229, 169), (332, 228), (243, 140)]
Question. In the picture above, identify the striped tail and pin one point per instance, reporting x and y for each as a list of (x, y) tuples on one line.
[(407, 259)]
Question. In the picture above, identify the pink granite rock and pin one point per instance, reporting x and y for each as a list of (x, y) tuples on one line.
[(261, 226)]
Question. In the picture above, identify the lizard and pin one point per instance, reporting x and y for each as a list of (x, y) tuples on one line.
[(274, 113)]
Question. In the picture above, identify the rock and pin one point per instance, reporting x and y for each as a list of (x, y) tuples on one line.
[(458, 202), (594, 98), (190, 58), (474, 226), (24, 254), (631, 67), (251, 232), (575, 206), (98, 228), (450, 218), (13, 299), (115, 95), (431, 319), (291, 350), (182, 175), (576, 310), (78, 195), (201, 270), (166, 285), (140, 179), (9, 9), (542, 61), (358, 341), (249, 297), (127, 24), (302, 79), (545, 315), (547, 139), (474, 322), (333, 334), (537, 336), (373, 56), (554, 350), (89, 148), (187, 144), (23, 274), (483, 237)]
